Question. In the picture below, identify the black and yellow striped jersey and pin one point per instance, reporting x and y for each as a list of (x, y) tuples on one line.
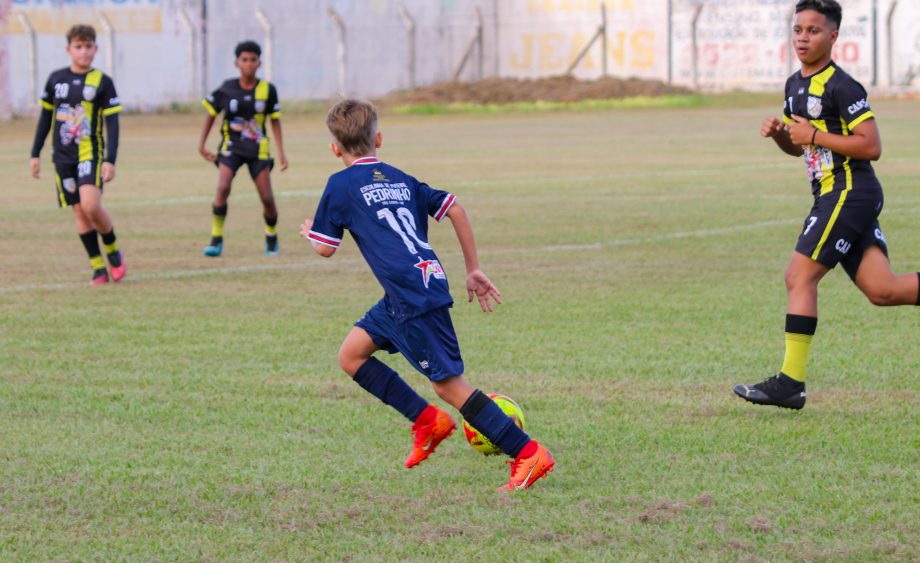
[(833, 102), (79, 102), (245, 112)]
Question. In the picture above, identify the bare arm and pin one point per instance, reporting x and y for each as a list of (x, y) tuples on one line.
[(323, 250), (279, 142), (205, 129), (774, 128), (863, 142), (477, 283)]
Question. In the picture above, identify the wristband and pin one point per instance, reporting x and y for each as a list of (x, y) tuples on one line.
[(813, 136)]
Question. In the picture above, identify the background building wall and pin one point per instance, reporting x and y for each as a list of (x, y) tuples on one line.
[(173, 51)]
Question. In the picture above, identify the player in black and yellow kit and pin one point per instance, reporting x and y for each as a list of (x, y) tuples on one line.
[(247, 103), (75, 103), (828, 122)]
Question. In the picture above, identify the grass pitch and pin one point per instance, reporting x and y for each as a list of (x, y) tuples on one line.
[(196, 411)]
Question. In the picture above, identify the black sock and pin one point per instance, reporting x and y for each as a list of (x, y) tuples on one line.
[(484, 415), (90, 240), (110, 244), (271, 233)]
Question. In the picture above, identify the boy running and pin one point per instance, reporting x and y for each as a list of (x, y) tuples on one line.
[(247, 103), (75, 102), (829, 123), (387, 212)]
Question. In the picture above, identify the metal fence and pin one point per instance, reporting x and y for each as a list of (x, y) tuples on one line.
[(162, 52)]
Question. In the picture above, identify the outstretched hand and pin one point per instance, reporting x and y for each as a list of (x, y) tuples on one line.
[(479, 284)]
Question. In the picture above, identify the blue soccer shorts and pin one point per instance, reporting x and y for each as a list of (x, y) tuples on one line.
[(427, 341)]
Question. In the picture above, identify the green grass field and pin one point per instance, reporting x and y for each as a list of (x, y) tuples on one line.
[(196, 411)]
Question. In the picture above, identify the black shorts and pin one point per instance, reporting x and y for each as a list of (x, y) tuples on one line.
[(69, 177), (841, 226), (256, 165)]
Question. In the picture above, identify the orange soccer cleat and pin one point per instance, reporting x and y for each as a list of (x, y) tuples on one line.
[(431, 428), (532, 463)]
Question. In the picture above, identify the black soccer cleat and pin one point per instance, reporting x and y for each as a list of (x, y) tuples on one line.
[(779, 391)]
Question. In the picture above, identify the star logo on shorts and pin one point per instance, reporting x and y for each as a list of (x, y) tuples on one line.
[(429, 269)]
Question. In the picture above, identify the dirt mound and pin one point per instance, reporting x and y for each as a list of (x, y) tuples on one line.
[(511, 90)]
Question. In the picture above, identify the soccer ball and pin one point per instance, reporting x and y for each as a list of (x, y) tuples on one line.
[(479, 442)]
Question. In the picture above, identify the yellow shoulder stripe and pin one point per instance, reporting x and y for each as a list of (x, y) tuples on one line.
[(207, 105), (819, 81), (860, 119), (262, 90)]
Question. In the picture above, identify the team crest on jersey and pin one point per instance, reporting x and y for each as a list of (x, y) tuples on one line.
[(234, 105), (260, 106), (814, 107), (69, 184), (431, 269), (89, 93)]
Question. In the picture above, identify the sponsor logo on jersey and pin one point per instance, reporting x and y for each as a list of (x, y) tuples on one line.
[(879, 235), (379, 177), (74, 123), (843, 246), (860, 105), (814, 106), (430, 269), (382, 192), (248, 129)]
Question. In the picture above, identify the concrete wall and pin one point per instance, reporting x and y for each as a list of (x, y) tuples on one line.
[(169, 51)]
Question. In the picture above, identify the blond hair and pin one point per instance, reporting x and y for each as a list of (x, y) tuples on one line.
[(353, 123)]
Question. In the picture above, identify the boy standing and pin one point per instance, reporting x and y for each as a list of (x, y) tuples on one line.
[(75, 101), (387, 212), (829, 123), (247, 103)]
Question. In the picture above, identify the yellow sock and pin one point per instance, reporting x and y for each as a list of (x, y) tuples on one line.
[(111, 248), (271, 230), (217, 225), (796, 358), (97, 263)]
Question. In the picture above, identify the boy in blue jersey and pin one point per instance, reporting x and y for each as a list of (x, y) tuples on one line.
[(386, 211), (77, 100), (247, 103), (828, 122)]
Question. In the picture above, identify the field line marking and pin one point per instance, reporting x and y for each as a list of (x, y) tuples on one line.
[(179, 274)]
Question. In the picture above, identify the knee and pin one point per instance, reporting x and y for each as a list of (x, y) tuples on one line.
[(880, 294), (796, 279), (349, 362)]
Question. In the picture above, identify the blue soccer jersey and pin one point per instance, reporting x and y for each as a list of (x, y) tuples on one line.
[(386, 211)]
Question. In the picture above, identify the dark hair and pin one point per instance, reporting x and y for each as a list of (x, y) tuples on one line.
[(81, 32), (353, 123), (828, 8), (248, 47)]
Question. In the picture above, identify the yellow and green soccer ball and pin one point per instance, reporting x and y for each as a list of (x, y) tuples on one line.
[(479, 442)]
